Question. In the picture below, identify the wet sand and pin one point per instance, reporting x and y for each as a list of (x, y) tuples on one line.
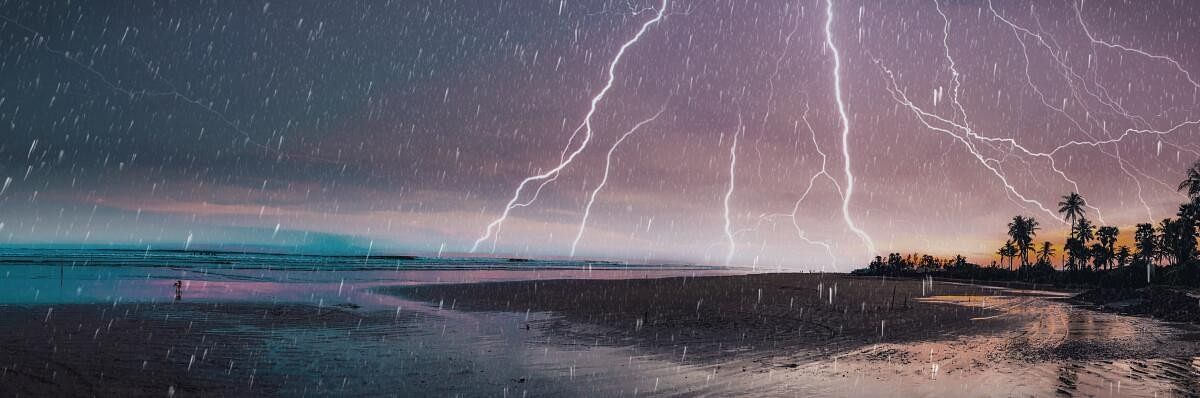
[(163, 349), (112, 331), (723, 318), (776, 335), (760, 335)]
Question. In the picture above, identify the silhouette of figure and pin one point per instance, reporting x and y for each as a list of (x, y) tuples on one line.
[(178, 290)]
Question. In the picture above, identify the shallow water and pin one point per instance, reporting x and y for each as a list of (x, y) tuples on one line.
[(428, 349), (66, 282), (418, 348), (112, 276), (210, 260)]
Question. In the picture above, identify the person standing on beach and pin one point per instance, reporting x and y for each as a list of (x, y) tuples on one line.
[(178, 290)]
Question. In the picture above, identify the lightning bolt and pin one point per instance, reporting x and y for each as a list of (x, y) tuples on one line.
[(1067, 72), (841, 106), (1071, 76), (959, 109), (729, 192), (1187, 75), (800, 233), (585, 126), (971, 139), (956, 83), (811, 181), (793, 215), (587, 211), (923, 117)]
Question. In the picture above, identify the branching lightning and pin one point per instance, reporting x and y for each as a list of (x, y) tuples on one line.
[(1187, 75), (845, 121), (586, 126), (587, 211), (971, 139), (1074, 98), (922, 116), (1100, 95), (812, 180), (956, 83)]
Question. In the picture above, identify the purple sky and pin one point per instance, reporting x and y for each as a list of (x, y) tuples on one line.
[(405, 127)]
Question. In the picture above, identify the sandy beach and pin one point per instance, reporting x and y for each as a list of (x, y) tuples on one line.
[(164, 349), (629, 198), (777, 334), (763, 334), (726, 318)]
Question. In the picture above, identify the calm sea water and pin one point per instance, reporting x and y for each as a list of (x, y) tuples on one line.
[(271, 261), (39, 276)]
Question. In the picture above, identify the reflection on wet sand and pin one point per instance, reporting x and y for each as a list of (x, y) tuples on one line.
[(288, 333), (1012, 343), (1058, 348)]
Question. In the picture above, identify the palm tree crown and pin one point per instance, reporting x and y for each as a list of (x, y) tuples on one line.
[(1084, 230), (1022, 230), (1072, 207), (1191, 183), (1046, 253)]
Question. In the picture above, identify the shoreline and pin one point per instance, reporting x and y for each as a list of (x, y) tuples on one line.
[(957, 340), (765, 334), (713, 317)]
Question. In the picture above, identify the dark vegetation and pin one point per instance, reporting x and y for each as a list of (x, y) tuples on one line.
[(1164, 253)]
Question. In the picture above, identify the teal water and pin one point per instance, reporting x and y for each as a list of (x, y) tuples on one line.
[(33, 276)]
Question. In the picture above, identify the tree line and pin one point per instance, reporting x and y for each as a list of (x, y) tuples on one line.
[(1164, 252)]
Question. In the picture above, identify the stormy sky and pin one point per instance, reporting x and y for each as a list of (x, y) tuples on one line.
[(407, 126)]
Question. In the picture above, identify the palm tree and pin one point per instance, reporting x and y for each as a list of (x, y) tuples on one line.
[(1186, 231), (1190, 210), (1167, 239), (1082, 234), (1123, 255), (1108, 237), (1031, 228), (1017, 233), (1076, 250), (1085, 230), (1013, 253), (1003, 251), (1046, 253), (1008, 251), (1145, 242), (1072, 208), (1177, 240), (1189, 213), (1099, 256), (1022, 230), (1191, 183)]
